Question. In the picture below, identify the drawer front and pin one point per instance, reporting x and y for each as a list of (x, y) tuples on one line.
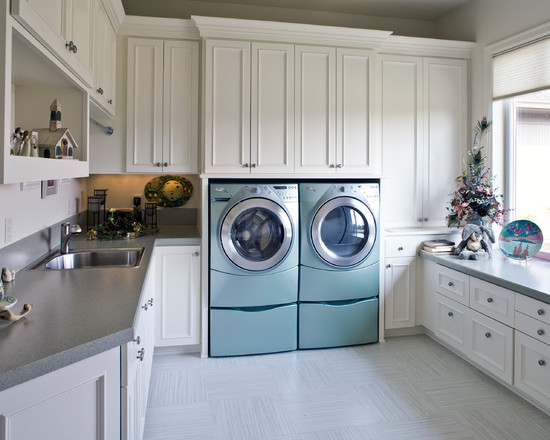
[(491, 300), (453, 284), (533, 327), (532, 307), (402, 246), (491, 345), (532, 368), (450, 323)]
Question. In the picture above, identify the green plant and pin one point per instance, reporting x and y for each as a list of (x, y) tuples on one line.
[(119, 225)]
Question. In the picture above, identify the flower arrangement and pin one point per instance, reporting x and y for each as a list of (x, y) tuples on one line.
[(475, 199), (119, 225)]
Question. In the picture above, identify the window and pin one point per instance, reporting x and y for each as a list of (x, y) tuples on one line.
[(521, 131)]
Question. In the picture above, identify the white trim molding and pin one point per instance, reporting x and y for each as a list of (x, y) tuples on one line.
[(156, 27)]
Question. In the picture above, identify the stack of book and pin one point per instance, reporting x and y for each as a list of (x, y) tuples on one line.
[(438, 246)]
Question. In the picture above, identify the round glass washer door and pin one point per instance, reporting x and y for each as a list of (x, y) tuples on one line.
[(256, 234), (343, 231)]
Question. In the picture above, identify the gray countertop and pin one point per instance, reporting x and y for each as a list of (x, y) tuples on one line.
[(77, 313), (530, 278)]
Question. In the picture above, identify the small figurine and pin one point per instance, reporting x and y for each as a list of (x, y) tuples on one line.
[(474, 244), (26, 148), (8, 275), (16, 139)]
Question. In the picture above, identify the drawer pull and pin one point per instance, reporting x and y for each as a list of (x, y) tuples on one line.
[(487, 335), (540, 311), (540, 332), (450, 314), (489, 300), (451, 284), (542, 362)]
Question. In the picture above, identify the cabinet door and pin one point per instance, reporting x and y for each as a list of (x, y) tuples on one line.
[(272, 111), (178, 298), (181, 104), (401, 115), (227, 106), (355, 148), (80, 401), (144, 108), (57, 24), (315, 108), (451, 319), (399, 293), (445, 128)]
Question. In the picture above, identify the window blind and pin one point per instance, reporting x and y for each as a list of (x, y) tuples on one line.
[(522, 70)]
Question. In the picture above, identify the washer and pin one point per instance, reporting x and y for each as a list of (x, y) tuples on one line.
[(253, 267), (339, 263)]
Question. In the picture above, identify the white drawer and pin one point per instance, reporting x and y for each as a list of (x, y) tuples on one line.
[(532, 368), (402, 246), (453, 284), (532, 307), (492, 300), (492, 345), (450, 322), (533, 327)]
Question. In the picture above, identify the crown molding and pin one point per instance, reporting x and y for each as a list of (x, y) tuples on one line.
[(430, 47), (115, 12), (156, 27), (258, 30)]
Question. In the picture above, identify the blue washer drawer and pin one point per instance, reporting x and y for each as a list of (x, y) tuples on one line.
[(336, 324), (253, 330)]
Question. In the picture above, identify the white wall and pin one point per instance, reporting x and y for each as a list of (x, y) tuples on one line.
[(486, 22), (30, 213)]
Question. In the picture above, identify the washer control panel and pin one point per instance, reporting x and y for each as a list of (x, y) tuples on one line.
[(285, 191)]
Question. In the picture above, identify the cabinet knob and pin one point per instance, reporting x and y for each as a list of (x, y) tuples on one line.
[(145, 307), (450, 314), (252, 165), (542, 362), (339, 165), (419, 220), (157, 164), (425, 219), (331, 165), (138, 340), (150, 302), (540, 311), (196, 254), (487, 335), (489, 300), (451, 284), (246, 165), (540, 332), (400, 248), (388, 266), (71, 46), (141, 354), (165, 164), (110, 101), (100, 91)]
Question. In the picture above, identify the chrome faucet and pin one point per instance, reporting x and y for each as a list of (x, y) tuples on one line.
[(67, 231)]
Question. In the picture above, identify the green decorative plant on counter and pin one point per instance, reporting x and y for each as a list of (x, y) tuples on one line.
[(475, 199), (120, 225)]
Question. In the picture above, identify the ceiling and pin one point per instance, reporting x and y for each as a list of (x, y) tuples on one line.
[(429, 10)]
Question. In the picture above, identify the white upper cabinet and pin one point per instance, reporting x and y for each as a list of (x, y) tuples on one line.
[(162, 108), (424, 107), (333, 102), (103, 92), (64, 27), (249, 107)]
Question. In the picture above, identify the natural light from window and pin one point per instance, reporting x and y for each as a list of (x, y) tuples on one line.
[(527, 124)]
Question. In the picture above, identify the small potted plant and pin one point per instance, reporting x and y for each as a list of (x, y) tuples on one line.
[(475, 200)]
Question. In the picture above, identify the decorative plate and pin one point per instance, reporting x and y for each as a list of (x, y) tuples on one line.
[(520, 239), (8, 301), (169, 191)]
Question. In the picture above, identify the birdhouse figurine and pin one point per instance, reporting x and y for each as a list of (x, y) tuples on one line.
[(55, 115), (58, 144)]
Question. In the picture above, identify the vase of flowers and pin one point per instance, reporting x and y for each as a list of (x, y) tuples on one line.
[(475, 200)]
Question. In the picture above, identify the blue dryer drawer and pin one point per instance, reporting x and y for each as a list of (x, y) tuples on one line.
[(336, 324), (253, 330), (228, 290), (330, 285)]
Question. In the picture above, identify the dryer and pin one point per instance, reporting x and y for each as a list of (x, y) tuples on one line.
[(339, 264), (253, 267)]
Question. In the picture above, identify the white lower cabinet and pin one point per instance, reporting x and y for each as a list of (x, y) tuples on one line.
[(399, 292), (80, 401), (532, 368), (178, 294), (136, 362), (450, 322)]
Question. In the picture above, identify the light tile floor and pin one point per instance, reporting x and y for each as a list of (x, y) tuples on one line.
[(406, 388)]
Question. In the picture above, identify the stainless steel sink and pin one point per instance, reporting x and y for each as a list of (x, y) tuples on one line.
[(86, 259)]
